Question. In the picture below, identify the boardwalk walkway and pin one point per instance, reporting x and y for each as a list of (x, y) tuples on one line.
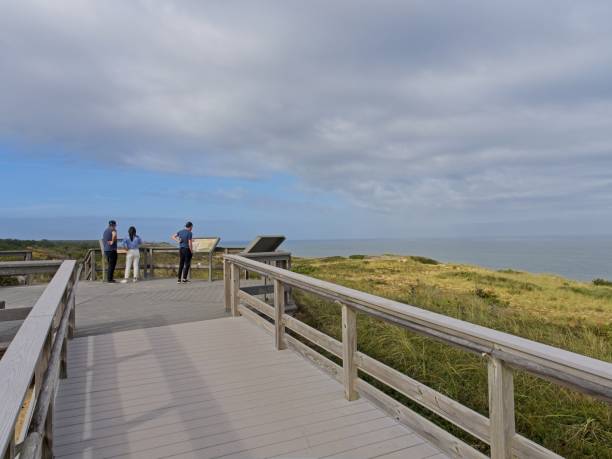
[(149, 377), (107, 308), (213, 389)]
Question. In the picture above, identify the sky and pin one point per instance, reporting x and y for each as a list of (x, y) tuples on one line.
[(317, 119)]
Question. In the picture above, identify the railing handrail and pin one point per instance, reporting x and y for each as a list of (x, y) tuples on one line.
[(90, 269), (503, 353), (584, 373), (218, 249), (15, 252), (28, 267), (19, 363)]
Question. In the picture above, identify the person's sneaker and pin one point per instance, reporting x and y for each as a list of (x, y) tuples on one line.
[(185, 281), (124, 281), (178, 281)]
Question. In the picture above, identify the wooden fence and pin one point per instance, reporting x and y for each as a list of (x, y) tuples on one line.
[(33, 361), (505, 353), (94, 263), (25, 255)]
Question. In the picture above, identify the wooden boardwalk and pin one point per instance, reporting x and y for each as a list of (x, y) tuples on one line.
[(106, 308), (214, 388)]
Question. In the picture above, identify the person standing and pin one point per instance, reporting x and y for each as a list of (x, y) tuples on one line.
[(184, 238), (109, 241), (132, 243)]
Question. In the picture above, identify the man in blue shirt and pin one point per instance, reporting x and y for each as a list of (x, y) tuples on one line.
[(109, 241), (184, 238)]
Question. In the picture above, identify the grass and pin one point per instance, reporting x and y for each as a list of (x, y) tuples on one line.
[(571, 315), (49, 250)]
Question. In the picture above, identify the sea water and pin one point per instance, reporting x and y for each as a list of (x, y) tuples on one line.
[(574, 257)]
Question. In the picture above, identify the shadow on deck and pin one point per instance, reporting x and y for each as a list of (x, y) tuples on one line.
[(209, 389), (107, 308)]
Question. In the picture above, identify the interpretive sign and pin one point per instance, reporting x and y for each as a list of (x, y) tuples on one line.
[(264, 244), (205, 244)]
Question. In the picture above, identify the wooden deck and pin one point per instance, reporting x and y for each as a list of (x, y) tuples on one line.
[(106, 308), (214, 388)]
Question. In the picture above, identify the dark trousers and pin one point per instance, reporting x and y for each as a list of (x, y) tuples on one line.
[(184, 263), (111, 262)]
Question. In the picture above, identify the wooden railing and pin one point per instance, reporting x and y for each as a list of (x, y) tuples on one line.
[(30, 368), (25, 255), (504, 353), (94, 263), (17, 268)]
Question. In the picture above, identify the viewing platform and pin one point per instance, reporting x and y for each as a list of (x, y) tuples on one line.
[(107, 308), (158, 369)]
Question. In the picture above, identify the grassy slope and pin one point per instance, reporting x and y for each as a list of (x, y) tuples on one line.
[(49, 250), (546, 308)]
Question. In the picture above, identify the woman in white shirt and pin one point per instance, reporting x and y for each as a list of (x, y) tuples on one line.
[(132, 243)]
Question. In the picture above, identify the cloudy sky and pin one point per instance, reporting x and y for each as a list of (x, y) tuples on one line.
[(318, 119)]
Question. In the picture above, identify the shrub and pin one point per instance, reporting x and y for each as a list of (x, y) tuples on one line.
[(425, 260), (307, 270), (603, 282), (357, 257), (334, 258)]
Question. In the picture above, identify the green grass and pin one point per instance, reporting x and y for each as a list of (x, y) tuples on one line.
[(49, 250), (571, 315), (494, 280)]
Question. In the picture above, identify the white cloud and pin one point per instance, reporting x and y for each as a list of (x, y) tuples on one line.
[(394, 105)]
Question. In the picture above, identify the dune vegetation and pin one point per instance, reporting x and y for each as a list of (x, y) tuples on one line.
[(572, 315)]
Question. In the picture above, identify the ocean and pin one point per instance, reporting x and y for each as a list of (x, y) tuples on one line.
[(573, 257)]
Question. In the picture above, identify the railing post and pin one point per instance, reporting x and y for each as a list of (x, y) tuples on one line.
[(210, 266), (72, 318), (94, 269), (28, 257), (10, 450), (279, 311), (47, 446), (501, 408), (63, 369), (349, 349), (227, 285), (235, 269), (103, 257), (151, 269)]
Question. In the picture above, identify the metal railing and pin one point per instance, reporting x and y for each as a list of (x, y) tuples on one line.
[(32, 364), (504, 353)]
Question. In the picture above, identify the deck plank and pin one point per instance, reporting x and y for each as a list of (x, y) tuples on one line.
[(209, 389)]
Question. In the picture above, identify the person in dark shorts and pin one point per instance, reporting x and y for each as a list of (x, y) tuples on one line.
[(109, 241), (184, 238)]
